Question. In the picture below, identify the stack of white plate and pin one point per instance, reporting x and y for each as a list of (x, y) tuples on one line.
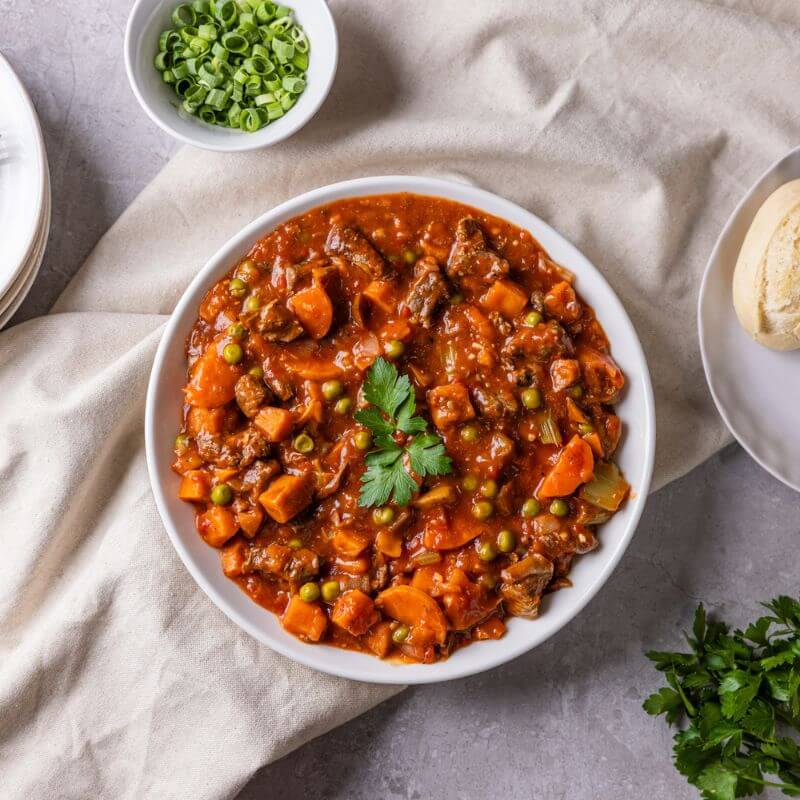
[(24, 193)]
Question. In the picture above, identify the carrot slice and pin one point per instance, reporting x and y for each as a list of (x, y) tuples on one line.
[(575, 466), (314, 309), (415, 608)]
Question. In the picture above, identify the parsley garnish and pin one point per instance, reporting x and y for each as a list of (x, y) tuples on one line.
[(738, 695), (393, 408)]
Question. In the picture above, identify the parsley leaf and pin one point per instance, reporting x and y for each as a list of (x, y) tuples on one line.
[(732, 695), (393, 410)]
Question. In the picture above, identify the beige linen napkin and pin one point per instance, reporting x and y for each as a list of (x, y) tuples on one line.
[(632, 127)]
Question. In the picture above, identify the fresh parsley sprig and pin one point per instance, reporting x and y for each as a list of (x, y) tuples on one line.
[(739, 696), (393, 410)]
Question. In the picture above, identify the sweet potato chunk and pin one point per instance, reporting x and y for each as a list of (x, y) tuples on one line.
[(287, 496), (274, 423), (305, 620), (250, 520), (355, 612), (314, 309), (575, 466), (390, 543), (560, 302), (379, 639), (349, 543), (450, 404), (415, 608), (213, 380), (205, 420), (217, 525), (194, 486), (505, 297), (233, 557)]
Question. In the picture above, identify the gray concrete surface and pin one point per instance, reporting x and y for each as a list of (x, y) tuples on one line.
[(561, 722)]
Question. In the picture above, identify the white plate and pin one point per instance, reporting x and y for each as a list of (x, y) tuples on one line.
[(757, 390), (18, 291), (23, 169), (589, 573)]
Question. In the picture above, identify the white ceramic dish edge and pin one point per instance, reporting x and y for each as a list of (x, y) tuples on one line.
[(27, 238), (589, 572), (730, 238), (141, 35)]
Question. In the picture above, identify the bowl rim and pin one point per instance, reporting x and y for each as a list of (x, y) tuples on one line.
[(371, 669), (243, 142)]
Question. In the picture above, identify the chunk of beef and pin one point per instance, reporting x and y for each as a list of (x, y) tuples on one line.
[(276, 323), (494, 402), (356, 248), (472, 256), (250, 394), (564, 372), (523, 584), (539, 343), (238, 450), (276, 377), (258, 475), (427, 292), (281, 561)]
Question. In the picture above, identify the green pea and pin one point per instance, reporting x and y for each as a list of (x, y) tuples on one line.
[(575, 392), (237, 330), (330, 591), (456, 299), (469, 483), (531, 398), (489, 489), (532, 319), (469, 434), (237, 287), (309, 592), (181, 442), (506, 541), (232, 353), (400, 633), (256, 372), (303, 443), (343, 405), (383, 516), (531, 507), (559, 508), (295, 543), (394, 348), (363, 440), (252, 303), (585, 428), (332, 389), (221, 494), (409, 256), (482, 510), (487, 552)]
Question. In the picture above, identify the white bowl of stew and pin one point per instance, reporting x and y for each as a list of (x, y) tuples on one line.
[(634, 454)]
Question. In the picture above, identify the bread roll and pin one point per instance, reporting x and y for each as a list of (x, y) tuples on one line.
[(766, 281)]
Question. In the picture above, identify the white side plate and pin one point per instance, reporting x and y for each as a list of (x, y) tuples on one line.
[(23, 181), (757, 390)]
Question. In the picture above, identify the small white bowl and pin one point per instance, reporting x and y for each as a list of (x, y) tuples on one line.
[(146, 21), (589, 572)]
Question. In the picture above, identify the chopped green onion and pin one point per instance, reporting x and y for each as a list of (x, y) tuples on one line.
[(234, 63)]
